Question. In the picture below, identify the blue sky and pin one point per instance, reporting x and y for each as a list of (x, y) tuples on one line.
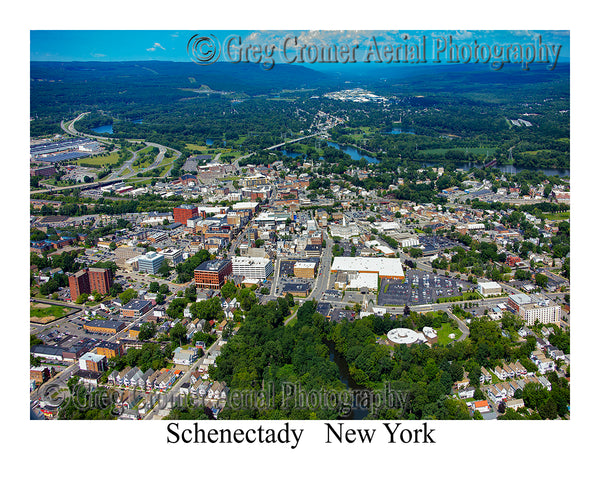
[(127, 45)]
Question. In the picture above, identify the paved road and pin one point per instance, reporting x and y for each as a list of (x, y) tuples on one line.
[(162, 149), (174, 390)]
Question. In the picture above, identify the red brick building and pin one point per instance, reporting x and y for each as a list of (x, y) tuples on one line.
[(88, 280), (183, 213), (101, 279), (79, 283), (212, 273)]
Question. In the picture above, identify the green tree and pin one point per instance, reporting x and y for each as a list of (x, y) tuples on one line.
[(82, 298), (541, 280), (178, 334), (115, 289), (147, 331), (128, 295), (228, 290), (164, 270)]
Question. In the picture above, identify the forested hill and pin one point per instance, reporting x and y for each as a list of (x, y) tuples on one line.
[(247, 78)]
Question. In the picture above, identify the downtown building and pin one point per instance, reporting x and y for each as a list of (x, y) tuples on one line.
[(182, 213), (150, 263), (89, 280), (212, 273), (252, 267)]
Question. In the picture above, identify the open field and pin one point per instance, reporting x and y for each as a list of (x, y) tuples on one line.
[(475, 150), (100, 160), (445, 331), (43, 313), (557, 216)]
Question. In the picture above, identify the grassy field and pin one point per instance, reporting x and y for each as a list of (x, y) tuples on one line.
[(445, 331), (196, 148), (43, 313), (557, 216), (102, 161), (476, 150)]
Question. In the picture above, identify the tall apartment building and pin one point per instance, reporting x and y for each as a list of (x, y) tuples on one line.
[(182, 213), (101, 279), (150, 263), (252, 267), (89, 280), (212, 273), (533, 309), (79, 283)]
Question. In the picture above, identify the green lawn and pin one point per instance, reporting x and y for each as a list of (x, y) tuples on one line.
[(445, 331), (557, 216), (100, 160)]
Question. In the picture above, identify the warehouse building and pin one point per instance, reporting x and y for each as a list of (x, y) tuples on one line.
[(489, 288), (383, 267), (104, 326)]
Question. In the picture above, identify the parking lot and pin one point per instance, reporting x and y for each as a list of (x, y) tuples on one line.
[(420, 288), (436, 243)]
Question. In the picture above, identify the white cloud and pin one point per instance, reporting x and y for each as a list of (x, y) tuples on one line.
[(155, 46)]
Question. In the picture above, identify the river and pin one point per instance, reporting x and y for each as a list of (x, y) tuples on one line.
[(353, 152), (356, 155), (357, 413)]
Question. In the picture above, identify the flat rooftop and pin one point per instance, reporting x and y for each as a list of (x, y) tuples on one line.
[(385, 267), (212, 265), (250, 261)]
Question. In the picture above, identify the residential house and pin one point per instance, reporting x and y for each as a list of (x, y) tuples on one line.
[(112, 378), (202, 389), (143, 380), (217, 391), (485, 376), (132, 374), (515, 403), (185, 357), (184, 389), (543, 363), (482, 406), (500, 373), (121, 375), (520, 369), (495, 394), (150, 382), (545, 383), (468, 392)]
